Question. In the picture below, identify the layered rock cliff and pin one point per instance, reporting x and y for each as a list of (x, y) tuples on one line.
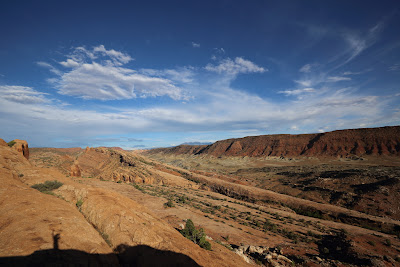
[(342, 143)]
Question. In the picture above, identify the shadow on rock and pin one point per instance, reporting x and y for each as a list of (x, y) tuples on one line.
[(124, 255)]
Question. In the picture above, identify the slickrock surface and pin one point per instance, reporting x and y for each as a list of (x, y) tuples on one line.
[(30, 220), (83, 221)]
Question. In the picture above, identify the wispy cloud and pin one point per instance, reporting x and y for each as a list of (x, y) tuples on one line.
[(297, 91), (234, 67), (179, 75), (338, 79), (395, 67), (50, 67), (359, 42), (306, 68), (22, 94), (306, 82), (195, 45)]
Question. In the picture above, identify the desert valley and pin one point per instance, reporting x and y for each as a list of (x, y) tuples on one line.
[(327, 199)]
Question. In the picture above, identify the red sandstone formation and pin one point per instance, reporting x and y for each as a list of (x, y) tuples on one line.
[(22, 147), (75, 170), (359, 142), (2, 142)]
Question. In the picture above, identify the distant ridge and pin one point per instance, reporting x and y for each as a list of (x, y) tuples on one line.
[(196, 143), (340, 143)]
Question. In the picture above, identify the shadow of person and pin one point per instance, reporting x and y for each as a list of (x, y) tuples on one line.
[(122, 256), (56, 237)]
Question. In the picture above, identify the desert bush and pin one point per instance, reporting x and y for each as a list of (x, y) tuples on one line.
[(11, 143), (79, 203), (310, 212), (372, 243), (197, 236), (269, 226), (47, 186), (169, 204)]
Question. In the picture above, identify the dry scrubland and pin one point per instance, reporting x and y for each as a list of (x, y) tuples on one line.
[(119, 207)]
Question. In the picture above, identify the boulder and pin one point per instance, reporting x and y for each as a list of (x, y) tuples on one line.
[(75, 170), (22, 147)]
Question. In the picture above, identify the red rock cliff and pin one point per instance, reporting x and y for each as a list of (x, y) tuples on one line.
[(368, 141)]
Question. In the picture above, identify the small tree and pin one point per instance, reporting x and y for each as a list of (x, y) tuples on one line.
[(197, 236)]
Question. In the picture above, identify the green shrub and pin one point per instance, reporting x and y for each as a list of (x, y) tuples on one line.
[(197, 236), (372, 243), (169, 204), (11, 143), (388, 242), (79, 203), (47, 186)]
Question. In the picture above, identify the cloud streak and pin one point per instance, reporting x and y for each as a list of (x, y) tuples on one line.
[(235, 67)]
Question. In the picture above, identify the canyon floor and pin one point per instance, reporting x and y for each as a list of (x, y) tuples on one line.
[(272, 211)]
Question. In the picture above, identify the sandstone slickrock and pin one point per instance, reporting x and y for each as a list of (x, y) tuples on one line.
[(85, 217), (368, 141), (30, 220)]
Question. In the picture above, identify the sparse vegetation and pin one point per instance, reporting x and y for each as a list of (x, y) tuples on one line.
[(11, 143), (47, 187), (79, 204), (372, 243), (196, 235), (169, 204)]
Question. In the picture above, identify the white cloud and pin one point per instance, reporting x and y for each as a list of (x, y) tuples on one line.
[(234, 67), (359, 42), (220, 109), (50, 67), (195, 45), (117, 57), (180, 75), (96, 81), (297, 91), (98, 74), (219, 50), (215, 106), (306, 68), (22, 94), (394, 67), (69, 63), (338, 79), (306, 83)]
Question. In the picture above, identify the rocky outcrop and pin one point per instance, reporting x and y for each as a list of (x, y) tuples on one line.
[(2, 142), (342, 143), (22, 147), (32, 221), (115, 165), (75, 170), (85, 225), (268, 256)]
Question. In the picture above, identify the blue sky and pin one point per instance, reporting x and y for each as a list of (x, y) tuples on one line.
[(161, 73)]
